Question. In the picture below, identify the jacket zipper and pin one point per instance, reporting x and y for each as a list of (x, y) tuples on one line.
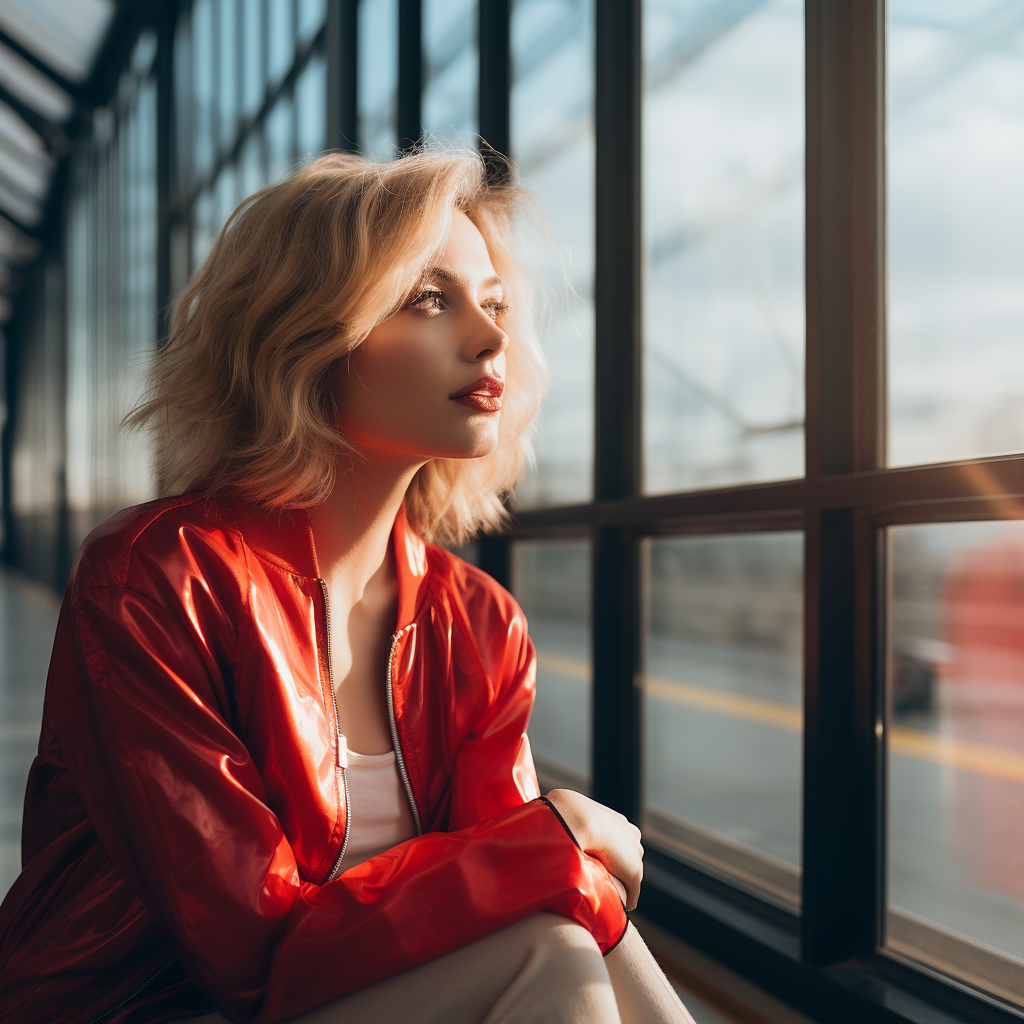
[(337, 737), (399, 759), (140, 989)]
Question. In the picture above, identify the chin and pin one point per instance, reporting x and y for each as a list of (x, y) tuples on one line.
[(479, 448)]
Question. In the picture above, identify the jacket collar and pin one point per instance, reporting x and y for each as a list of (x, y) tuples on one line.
[(285, 538)]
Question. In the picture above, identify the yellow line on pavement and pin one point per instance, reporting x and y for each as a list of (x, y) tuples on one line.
[(947, 751)]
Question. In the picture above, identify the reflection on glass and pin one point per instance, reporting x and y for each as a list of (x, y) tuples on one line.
[(280, 136), (202, 86), (956, 749), (281, 37), (956, 220), (723, 711), (452, 72), (311, 16), (723, 364), (251, 173), (227, 38), (253, 60), (228, 194), (377, 69), (183, 99), (551, 582), (553, 145), (111, 314), (203, 226), (310, 106)]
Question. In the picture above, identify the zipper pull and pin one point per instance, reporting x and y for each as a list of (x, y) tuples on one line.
[(342, 751)]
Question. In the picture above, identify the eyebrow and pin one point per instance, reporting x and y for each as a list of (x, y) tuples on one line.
[(444, 274)]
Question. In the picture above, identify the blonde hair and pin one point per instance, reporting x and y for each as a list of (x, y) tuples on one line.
[(240, 394)]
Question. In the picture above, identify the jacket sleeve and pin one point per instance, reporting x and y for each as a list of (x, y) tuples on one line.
[(494, 767), (142, 704), (494, 770)]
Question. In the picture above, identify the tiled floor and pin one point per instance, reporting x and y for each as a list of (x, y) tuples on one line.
[(28, 617)]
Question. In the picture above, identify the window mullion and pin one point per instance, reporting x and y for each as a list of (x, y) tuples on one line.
[(843, 813), (617, 305), (410, 73)]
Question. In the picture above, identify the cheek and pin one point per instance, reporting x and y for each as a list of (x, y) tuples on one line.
[(397, 390)]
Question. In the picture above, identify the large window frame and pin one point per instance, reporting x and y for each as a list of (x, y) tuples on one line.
[(829, 960)]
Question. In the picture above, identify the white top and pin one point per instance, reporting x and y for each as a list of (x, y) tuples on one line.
[(377, 805)]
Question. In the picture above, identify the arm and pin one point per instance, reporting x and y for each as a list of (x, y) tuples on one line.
[(142, 705), (494, 771), (607, 835)]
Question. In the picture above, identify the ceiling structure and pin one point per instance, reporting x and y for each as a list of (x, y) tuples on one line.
[(48, 52)]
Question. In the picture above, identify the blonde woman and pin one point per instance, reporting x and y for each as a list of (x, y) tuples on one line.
[(283, 767)]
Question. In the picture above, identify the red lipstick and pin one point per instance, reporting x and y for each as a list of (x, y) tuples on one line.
[(483, 394)]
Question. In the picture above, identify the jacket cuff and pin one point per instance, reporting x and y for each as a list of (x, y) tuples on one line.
[(557, 814)]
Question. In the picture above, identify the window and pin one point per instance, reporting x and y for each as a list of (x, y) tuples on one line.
[(551, 581), (552, 141), (956, 218), (377, 67), (451, 70), (723, 364), (723, 704)]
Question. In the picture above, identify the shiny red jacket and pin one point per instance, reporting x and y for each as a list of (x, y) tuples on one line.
[(185, 818)]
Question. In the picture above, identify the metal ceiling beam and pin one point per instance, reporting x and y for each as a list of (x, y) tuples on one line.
[(54, 138), (41, 66), (19, 225), (19, 192)]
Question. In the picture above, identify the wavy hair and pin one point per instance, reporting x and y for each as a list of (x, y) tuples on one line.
[(239, 396)]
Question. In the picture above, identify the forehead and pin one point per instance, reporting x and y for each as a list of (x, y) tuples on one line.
[(465, 249)]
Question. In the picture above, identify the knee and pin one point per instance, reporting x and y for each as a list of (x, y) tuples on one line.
[(565, 945)]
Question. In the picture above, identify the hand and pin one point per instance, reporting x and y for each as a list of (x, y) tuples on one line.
[(607, 836)]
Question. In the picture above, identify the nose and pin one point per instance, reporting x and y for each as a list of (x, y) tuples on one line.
[(486, 341)]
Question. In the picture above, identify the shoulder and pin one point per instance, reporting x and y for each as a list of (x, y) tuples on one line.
[(488, 611), (165, 540)]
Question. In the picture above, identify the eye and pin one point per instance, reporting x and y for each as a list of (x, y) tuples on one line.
[(494, 307), (431, 298)]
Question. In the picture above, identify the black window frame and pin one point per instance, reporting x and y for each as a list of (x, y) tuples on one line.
[(829, 960)]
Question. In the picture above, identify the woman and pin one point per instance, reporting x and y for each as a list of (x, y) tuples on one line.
[(283, 764)]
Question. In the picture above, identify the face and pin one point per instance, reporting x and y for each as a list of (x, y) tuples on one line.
[(414, 385)]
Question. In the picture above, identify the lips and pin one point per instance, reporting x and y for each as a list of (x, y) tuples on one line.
[(483, 394), (493, 386)]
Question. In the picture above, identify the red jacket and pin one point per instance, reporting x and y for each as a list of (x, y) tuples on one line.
[(185, 818)]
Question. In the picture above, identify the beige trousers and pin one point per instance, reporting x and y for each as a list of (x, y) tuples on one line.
[(544, 969)]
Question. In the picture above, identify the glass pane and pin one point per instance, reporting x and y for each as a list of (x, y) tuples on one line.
[(723, 714), (203, 86), (252, 174), (553, 144), (956, 746), (452, 71), (253, 61), (280, 134), (228, 194), (228, 71), (203, 226), (551, 582), (956, 219), (281, 36), (377, 69), (723, 354), (311, 16), (310, 106), (183, 100)]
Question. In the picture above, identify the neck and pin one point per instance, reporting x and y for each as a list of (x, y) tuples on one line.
[(352, 527)]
